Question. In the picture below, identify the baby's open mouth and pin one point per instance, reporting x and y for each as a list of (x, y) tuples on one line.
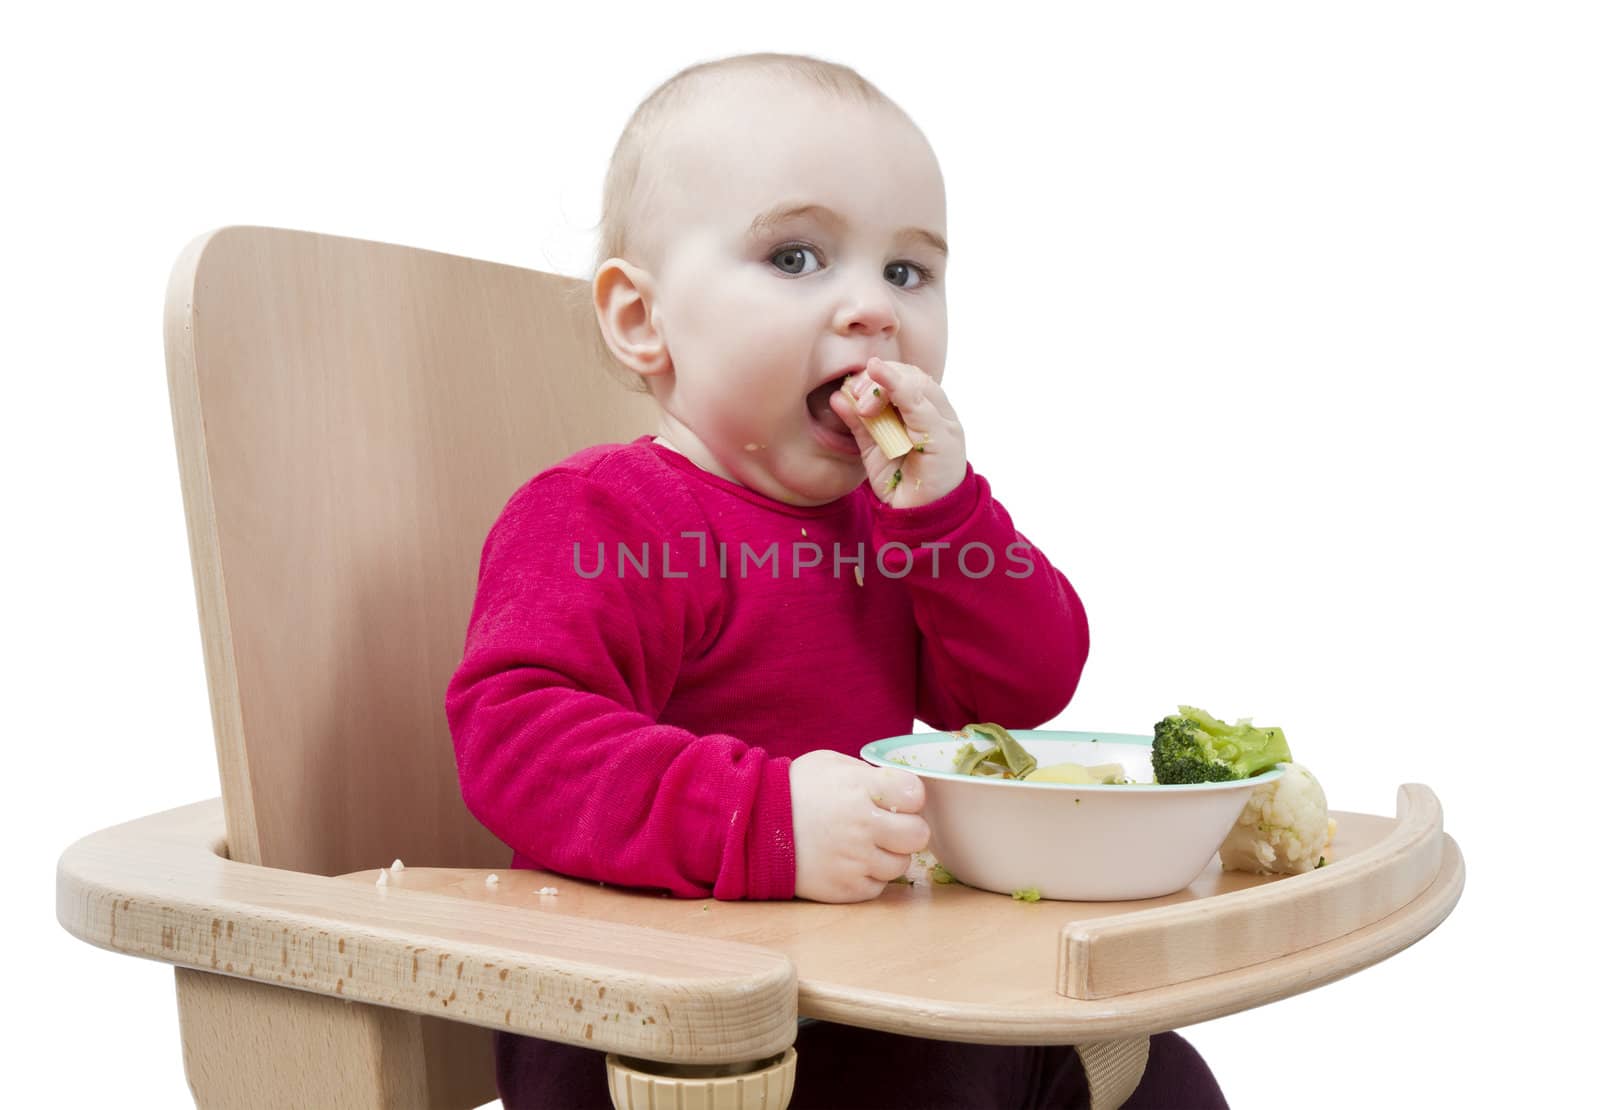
[(821, 412)]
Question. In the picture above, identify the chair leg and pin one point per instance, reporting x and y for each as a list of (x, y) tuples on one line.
[(1113, 1069), (644, 1084), (249, 1044)]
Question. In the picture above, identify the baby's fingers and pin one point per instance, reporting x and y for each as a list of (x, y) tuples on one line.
[(920, 399), (898, 791), (900, 833), (886, 867)]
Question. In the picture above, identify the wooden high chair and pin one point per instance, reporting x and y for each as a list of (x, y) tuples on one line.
[(350, 419)]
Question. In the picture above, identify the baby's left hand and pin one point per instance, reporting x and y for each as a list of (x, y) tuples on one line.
[(937, 461)]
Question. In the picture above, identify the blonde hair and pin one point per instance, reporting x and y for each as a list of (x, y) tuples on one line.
[(619, 198)]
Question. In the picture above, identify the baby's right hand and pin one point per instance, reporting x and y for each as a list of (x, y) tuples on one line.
[(855, 826)]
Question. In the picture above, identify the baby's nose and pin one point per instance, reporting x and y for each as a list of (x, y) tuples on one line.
[(875, 320), (868, 314)]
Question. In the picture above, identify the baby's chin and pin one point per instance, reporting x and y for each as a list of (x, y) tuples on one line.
[(800, 474)]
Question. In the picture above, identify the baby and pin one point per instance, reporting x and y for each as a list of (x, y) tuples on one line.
[(679, 644)]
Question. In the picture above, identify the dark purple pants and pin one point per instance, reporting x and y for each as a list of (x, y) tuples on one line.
[(842, 1067)]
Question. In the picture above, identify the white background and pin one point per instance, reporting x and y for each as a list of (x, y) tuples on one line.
[(1273, 324)]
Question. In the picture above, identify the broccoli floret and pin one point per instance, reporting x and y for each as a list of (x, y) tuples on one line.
[(1193, 746)]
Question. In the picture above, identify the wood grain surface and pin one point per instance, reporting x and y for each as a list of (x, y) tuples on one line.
[(161, 888), (350, 418), (962, 964)]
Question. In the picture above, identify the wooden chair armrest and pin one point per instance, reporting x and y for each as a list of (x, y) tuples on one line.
[(163, 888), (1168, 945)]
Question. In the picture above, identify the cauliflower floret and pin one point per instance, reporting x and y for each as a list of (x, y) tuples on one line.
[(1284, 829)]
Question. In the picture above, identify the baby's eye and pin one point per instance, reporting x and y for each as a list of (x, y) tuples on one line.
[(792, 260), (907, 275)]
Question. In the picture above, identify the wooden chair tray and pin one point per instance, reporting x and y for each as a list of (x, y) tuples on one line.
[(961, 964)]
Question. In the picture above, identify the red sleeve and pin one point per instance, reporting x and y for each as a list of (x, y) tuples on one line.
[(1003, 634), (553, 709)]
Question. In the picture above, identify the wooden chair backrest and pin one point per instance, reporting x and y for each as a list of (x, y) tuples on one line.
[(350, 418)]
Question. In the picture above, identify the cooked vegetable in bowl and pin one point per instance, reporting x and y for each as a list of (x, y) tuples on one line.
[(1079, 816), (1007, 759)]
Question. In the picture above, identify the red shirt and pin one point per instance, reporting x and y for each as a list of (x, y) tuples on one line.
[(651, 645)]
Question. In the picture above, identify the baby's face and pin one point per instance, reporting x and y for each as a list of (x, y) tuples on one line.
[(795, 235)]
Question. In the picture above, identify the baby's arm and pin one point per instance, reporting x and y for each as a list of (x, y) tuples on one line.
[(553, 711), (1004, 641), (1004, 636)]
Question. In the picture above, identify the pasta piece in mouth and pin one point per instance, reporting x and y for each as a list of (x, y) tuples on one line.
[(888, 431)]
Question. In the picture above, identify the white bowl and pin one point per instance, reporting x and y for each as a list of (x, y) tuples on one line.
[(1071, 843)]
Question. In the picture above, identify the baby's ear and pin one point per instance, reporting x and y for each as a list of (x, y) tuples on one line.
[(624, 303)]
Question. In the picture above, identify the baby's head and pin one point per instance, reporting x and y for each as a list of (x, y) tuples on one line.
[(770, 223)]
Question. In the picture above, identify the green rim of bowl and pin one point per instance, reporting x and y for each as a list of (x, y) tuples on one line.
[(880, 753)]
